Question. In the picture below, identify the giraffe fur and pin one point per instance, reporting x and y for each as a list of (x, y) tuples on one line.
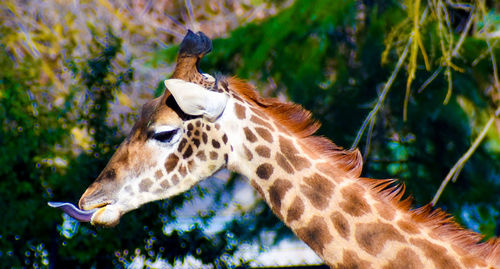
[(311, 184)]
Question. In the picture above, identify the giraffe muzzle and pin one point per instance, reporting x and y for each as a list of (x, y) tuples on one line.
[(106, 211)]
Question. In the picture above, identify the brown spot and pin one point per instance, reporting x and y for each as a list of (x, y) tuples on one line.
[(318, 190), (158, 174), (215, 144), (196, 133), (435, 253), (470, 261), (196, 142), (259, 113), (217, 126), (213, 155), (354, 204), (283, 163), (145, 184), (385, 210), (257, 187), (240, 111), (175, 179), (408, 227), (315, 234), (434, 235), (158, 191), (190, 126), (259, 121), (188, 152), (295, 210), (109, 175), (182, 170), (265, 134), (341, 225), (201, 155), (182, 144), (350, 260), (405, 259), (249, 135), (190, 165), (292, 154), (328, 170), (372, 237), (248, 153), (264, 171), (458, 250), (122, 155), (164, 183), (226, 157), (208, 127), (129, 190), (224, 139), (171, 162), (263, 151), (237, 97), (277, 192), (198, 123), (204, 137)]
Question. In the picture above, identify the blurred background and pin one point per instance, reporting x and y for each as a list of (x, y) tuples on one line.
[(413, 84)]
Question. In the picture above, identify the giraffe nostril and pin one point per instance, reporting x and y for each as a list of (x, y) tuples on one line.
[(81, 203), (93, 198)]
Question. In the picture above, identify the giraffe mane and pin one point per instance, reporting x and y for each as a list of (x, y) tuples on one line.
[(299, 122), (440, 222)]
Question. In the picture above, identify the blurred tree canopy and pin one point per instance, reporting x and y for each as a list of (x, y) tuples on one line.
[(413, 84)]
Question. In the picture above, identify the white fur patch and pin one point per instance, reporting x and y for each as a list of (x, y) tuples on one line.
[(164, 128)]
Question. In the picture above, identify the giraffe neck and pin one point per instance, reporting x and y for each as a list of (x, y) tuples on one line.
[(348, 221)]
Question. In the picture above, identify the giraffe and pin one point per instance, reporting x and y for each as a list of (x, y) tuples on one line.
[(202, 124)]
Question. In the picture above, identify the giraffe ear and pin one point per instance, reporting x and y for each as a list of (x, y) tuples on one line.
[(196, 100)]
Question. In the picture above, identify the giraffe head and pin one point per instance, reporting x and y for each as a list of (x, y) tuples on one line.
[(176, 142)]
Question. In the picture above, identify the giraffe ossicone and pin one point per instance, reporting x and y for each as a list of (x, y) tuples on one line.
[(201, 125)]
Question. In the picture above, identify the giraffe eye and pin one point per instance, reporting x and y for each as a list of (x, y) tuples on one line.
[(165, 136)]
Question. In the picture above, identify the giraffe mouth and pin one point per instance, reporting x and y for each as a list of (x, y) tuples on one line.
[(97, 206)]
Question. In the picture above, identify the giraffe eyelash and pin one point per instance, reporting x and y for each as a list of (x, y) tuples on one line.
[(165, 136)]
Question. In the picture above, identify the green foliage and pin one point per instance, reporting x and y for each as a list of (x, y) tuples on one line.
[(32, 139), (333, 57), (35, 146), (27, 134), (327, 59)]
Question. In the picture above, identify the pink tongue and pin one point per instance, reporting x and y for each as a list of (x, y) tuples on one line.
[(73, 211)]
